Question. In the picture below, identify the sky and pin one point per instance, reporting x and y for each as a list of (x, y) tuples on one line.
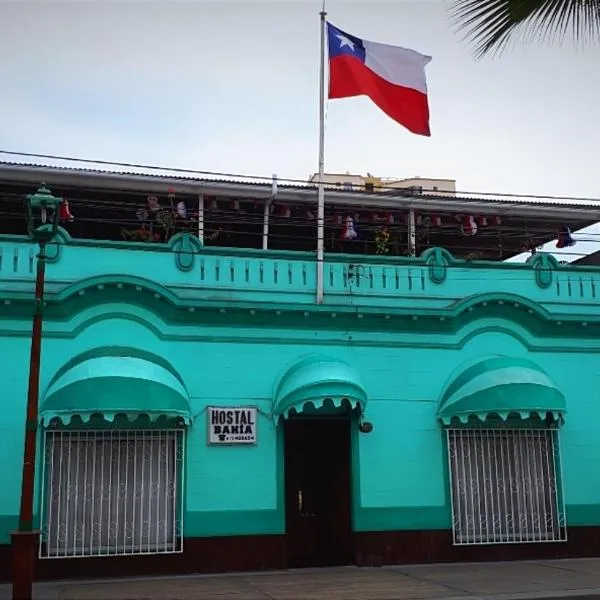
[(232, 87)]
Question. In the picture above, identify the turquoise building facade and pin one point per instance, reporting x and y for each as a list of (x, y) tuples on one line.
[(200, 411)]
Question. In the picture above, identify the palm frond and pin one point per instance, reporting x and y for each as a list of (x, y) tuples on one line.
[(490, 24)]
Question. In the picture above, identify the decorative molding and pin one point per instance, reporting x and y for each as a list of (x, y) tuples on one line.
[(103, 283), (513, 302), (437, 260), (186, 247), (281, 334), (543, 265), (175, 307)]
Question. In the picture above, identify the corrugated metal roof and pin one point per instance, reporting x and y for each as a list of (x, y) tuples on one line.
[(143, 181), (166, 174)]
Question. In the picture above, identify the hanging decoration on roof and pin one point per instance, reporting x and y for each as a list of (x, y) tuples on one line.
[(281, 210), (65, 212), (382, 240), (468, 225), (564, 238), (388, 218), (242, 205), (428, 220)]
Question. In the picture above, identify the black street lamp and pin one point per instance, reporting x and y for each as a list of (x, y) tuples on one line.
[(43, 214)]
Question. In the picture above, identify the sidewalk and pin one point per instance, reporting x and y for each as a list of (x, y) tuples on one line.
[(466, 581)]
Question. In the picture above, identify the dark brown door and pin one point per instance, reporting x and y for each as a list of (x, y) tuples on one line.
[(317, 483)]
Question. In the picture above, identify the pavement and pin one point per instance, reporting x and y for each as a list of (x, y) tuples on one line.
[(539, 580)]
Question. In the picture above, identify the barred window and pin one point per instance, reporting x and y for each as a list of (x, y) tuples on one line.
[(109, 493), (506, 486)]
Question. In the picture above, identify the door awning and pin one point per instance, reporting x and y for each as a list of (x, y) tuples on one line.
[(502, 386), (316, 381), (111, 385)]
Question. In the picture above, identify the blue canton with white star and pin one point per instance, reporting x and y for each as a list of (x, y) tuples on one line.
[(341, 43)]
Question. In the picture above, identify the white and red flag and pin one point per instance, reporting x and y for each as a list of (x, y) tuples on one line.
[(391, 76)]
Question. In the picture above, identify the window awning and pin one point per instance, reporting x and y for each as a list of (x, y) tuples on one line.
[(314, 381), (502, 386), (112, 385)]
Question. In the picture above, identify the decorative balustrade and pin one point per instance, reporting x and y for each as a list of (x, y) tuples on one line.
[(231, 274)]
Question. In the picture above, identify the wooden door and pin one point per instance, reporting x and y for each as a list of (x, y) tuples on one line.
[(317, 479)]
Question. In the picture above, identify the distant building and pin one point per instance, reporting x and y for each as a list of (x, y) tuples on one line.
[(368, 182)]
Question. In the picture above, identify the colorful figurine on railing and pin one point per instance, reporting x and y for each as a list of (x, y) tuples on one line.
[(157, 223), (382, 240), (349, 232), (146, 217), (349, 238), (179, 218), (143, 234)]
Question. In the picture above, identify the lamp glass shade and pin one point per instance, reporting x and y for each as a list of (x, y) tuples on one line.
[(43, 214)]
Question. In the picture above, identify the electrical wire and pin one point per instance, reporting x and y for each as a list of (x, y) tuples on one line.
[(506, 231), (303, 216), (230, 219), (224, 232), (233, 218)]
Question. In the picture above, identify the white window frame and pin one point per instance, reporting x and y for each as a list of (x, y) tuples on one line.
[(522, 496), (146, 520)]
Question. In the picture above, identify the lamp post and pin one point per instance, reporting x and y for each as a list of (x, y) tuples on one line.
[(43, 213)]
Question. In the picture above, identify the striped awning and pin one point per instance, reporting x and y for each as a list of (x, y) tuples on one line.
[(114, 384), (502, 386), (315, 382)]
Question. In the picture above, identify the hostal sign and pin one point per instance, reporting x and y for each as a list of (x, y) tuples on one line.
[(231, 425)]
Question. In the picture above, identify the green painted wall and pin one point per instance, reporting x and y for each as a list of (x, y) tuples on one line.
[(399, 469), (400, 476)]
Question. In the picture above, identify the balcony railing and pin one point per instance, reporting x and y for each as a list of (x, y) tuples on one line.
[(435, 279)]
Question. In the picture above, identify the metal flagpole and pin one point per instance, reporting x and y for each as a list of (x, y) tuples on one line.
[(321, 183)]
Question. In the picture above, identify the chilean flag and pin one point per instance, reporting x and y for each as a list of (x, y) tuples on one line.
[(392, 77)]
